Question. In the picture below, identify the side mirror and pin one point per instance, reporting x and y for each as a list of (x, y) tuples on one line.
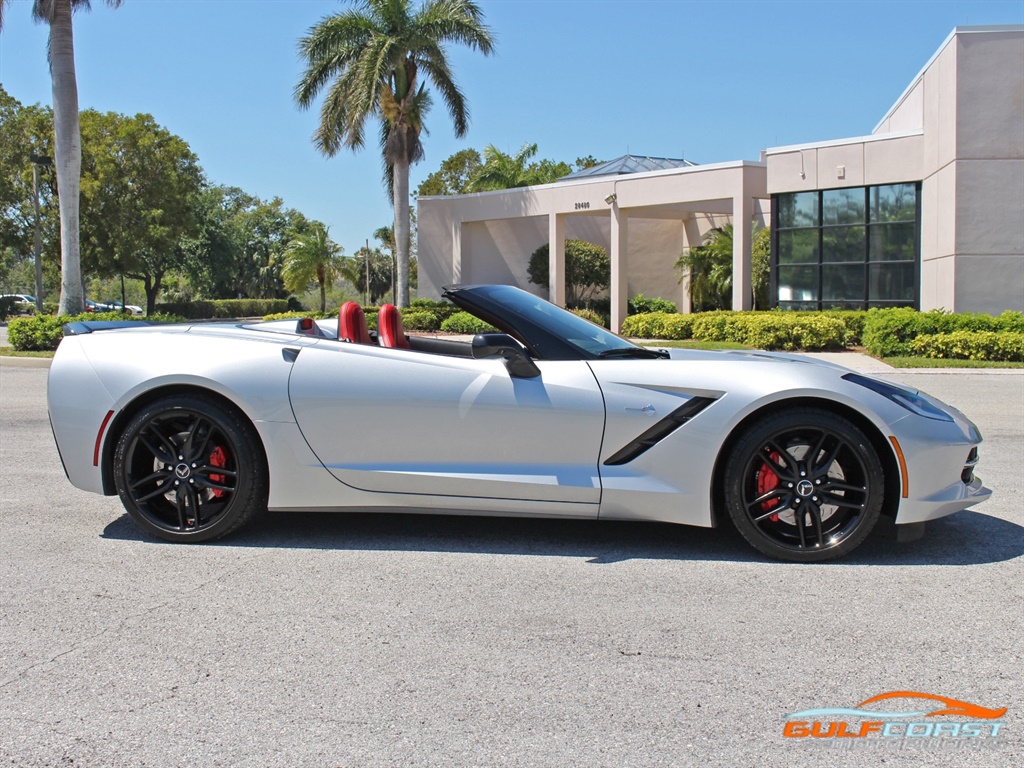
[(501, 345)]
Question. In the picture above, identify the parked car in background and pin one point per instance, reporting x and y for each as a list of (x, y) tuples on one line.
[(130, 309), (18, 303), (95, 306)]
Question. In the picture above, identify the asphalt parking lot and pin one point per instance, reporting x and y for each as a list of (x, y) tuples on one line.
[(357, 640)]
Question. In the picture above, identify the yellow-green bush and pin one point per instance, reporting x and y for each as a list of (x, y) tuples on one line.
[(1007, 346), (43, 332)]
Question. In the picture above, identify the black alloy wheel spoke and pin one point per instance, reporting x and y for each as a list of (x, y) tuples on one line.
[(815, 512), (208, 469), (784, 471), (835, 485), (165, 453), (194, 503), (204, 483), (798, 518), (785, 500), (160, 490), (841, 501), (160, 473), (821, 468), (179, 503), (816, 451), (191, 452)]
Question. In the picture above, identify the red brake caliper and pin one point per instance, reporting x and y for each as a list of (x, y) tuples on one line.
[(767, 481), (220, 459)]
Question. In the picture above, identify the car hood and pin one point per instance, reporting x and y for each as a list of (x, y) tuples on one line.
[(696, 355)]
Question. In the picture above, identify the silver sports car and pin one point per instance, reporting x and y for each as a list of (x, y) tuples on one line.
[(199, 427)]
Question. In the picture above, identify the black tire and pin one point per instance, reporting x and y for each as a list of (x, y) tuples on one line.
[(804, 485), (189, 469)]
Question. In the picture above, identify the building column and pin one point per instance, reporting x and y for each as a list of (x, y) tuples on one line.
[(620, 267), (556, 259), (742, 246), (456, 252)]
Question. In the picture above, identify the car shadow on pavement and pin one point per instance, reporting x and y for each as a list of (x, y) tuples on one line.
[(963, 539)]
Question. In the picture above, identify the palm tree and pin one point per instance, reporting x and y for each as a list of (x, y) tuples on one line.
[(312, 256), (709, 267), (504, 171), (369, 59), (67, 138), (386, 237)]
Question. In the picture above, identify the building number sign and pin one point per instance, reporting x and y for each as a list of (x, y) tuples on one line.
[(582, 206)]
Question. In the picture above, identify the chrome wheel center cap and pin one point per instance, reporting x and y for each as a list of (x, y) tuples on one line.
[(182, 471), (805, 488)]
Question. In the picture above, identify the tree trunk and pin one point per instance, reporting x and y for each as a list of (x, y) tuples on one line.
[(68, 152), (401, 199)]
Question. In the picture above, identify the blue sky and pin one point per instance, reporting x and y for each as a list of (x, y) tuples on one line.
[(708, 81)]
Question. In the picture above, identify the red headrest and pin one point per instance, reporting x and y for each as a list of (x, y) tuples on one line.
[(352, 324), (389, 325)]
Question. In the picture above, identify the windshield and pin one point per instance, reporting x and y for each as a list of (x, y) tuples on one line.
[(551, 332)]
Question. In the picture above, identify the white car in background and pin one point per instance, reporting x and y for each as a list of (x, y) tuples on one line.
[(128, 308)]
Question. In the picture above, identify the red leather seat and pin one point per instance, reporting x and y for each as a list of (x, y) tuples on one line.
[(352, 324), (389, 326)]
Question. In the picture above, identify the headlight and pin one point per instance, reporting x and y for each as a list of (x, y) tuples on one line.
[(911, 399)]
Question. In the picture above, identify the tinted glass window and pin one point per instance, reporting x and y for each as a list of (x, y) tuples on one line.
[(798, 246), (842, 244), (895, 202), (842, 206), (799, 209)]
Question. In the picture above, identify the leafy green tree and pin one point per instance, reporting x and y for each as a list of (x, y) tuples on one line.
[(504, 171), (239, 247), (139, 187), (26, 132), (452, 178), (761, 267), (709, 267), (370, 59), (380, 273), (587, 270), (67, 138), (312, 257)]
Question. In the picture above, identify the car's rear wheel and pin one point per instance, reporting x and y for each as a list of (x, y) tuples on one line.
[(804, 485), (190, 469)]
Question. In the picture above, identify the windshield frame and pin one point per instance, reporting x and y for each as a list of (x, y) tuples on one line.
[(548, 331)]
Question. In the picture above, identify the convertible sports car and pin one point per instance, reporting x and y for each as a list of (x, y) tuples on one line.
[(199, 427)]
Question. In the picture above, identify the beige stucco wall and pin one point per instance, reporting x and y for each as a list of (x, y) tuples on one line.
[(959, 130), (488, 237)]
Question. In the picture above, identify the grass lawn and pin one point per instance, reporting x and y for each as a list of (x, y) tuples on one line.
[(12, 352), (931, 362)]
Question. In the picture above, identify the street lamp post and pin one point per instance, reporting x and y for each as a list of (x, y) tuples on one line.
[(38, 160)]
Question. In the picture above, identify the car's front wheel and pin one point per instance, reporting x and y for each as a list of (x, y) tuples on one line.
[(188, 468), (804, 485)]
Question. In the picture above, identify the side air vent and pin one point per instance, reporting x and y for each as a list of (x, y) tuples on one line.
[(659, 431)]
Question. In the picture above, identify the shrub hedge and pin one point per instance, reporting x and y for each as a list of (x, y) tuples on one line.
[(589, 314), (883, 332), (465, 323), (224, 308), (1005, 346), (889, 332), (44, 332)]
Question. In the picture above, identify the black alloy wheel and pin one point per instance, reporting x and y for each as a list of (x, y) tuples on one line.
[(804, 485), (190, 469)]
